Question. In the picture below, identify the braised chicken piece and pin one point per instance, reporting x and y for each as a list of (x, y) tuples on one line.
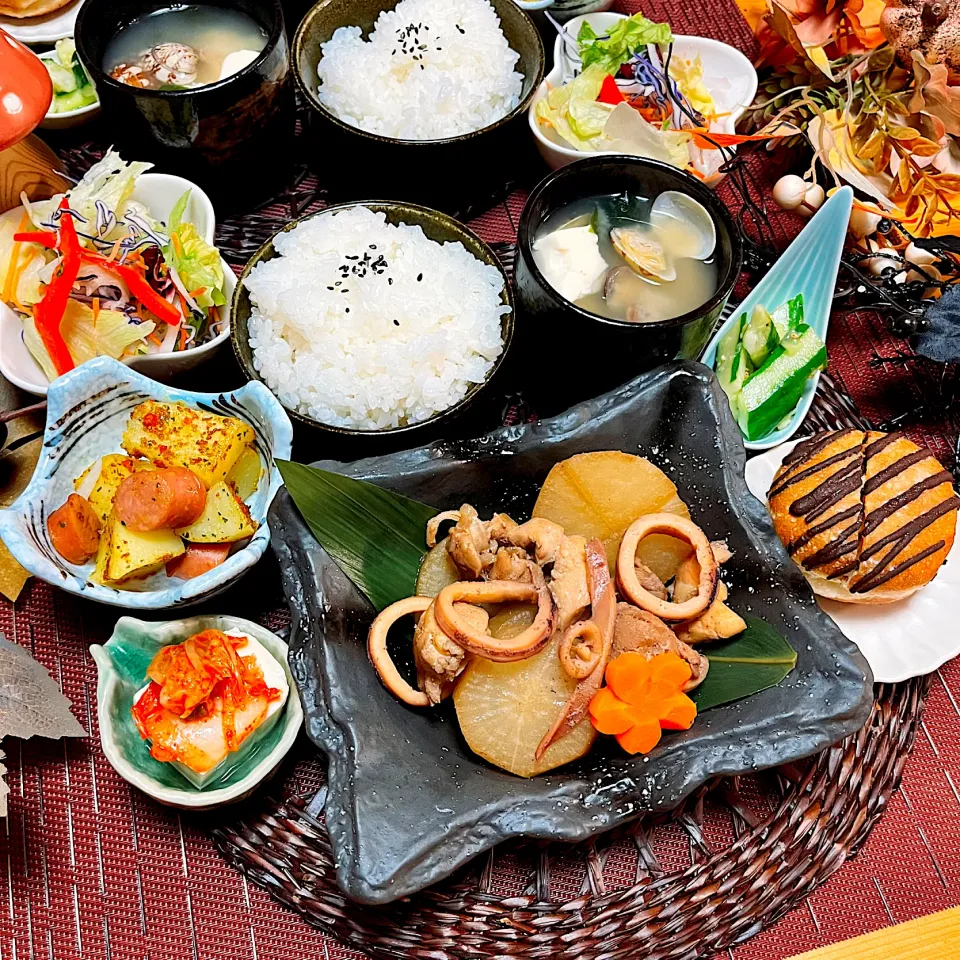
[(543, 537), (439, 659), (649, 580), (641, 631)]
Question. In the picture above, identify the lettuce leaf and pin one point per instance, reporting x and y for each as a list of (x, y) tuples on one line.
[(110, 181), (624, 40), (196, 262), (30, 262), (111, 336), (573, 111), (689, 77)]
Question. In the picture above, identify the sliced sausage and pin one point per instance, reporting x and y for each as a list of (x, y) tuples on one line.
[(160, 499), (197, 559), (74, 530)]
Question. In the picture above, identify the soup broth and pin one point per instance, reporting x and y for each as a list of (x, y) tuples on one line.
[(184, 47), (626, 257)]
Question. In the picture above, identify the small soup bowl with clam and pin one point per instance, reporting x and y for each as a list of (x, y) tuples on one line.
[(624, 263)]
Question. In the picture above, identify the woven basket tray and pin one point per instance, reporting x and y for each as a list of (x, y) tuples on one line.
[(732, 860)]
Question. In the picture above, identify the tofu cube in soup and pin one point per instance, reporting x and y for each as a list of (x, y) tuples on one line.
[(175, 435), (225, 518), (132, 555)]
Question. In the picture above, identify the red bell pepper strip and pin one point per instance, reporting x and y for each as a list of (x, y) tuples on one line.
[(48, 313), (139, 287), (610, 92), (44, 237)]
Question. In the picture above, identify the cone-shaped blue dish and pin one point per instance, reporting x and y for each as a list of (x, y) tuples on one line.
[(808, 266)]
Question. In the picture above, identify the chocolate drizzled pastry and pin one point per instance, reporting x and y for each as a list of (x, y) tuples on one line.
[(869, 517)]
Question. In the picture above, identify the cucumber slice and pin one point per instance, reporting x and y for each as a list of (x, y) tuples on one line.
[(73, 101), (63, 79), (774, 390), (760, 337), (788, 316), (731, 362)]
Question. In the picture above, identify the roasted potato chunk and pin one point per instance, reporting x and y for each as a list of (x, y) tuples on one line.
[(114, 469), (225, 518), (131, 555), (175, 435)]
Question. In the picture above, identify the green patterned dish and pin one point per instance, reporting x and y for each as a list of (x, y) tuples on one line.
[(122, 665)]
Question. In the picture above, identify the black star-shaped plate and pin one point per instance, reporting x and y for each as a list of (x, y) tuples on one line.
[(408, 802)]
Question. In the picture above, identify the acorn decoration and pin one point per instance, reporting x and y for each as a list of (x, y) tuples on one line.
[(930, 26)]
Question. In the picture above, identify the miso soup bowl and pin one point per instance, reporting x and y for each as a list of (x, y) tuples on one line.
[(233, 137), (576, 354), (454, 174)]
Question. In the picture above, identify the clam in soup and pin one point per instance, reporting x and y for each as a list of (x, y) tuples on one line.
[(627, 258), (183, 47)]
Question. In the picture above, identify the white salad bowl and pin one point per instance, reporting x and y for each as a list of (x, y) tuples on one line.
[(158, 192), (87, 412), (68, 119), (728, 75), (122, 664)]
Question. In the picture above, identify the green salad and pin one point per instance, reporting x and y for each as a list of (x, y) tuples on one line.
[(72, 87), (764, 363)]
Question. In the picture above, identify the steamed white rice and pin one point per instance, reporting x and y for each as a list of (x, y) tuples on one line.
[(431, 69), (359, 323)]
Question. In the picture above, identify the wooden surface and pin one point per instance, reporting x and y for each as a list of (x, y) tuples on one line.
[(936, 937), (29, 167)]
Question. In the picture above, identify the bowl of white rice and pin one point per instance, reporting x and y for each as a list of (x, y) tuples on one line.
[(374, 320), (420, 100)]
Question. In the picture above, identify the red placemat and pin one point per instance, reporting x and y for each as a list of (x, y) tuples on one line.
[(91, 868)]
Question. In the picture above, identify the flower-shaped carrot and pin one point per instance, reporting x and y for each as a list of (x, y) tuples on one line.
[(641, 698)]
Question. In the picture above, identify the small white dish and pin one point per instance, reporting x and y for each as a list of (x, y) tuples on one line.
[(158, 192), (121, 672), (900, 640), (68, 119), (87, 413), (809, 266), (725, 69), (46, 29)]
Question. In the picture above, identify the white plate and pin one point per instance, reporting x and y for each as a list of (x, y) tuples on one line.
[(900, 640), (158, 192), (46, 29)]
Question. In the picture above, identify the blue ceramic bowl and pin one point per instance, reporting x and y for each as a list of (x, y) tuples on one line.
[(122, 664), (87, 410), (808, 266)]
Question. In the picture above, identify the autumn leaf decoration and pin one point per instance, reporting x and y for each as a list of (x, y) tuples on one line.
[(31, 703)]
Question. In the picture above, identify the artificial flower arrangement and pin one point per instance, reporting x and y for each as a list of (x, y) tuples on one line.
[(875, 87)]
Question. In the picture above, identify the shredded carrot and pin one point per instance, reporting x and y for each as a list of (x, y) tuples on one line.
[(153, 338), (115, 250), (199, 292), (183, 336), (177, 246), (13, 266), (643, 697), (96, 310)]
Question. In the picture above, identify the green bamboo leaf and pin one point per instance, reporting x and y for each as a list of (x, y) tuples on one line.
[(752, 661), (375, 536)]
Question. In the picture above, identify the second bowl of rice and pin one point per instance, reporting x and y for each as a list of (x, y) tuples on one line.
[(420, 100), (374, 320)]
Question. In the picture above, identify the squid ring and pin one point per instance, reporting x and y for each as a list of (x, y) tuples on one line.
[(433, 525), (581, 649), (380, 656), (682, 529), (481, 644)]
